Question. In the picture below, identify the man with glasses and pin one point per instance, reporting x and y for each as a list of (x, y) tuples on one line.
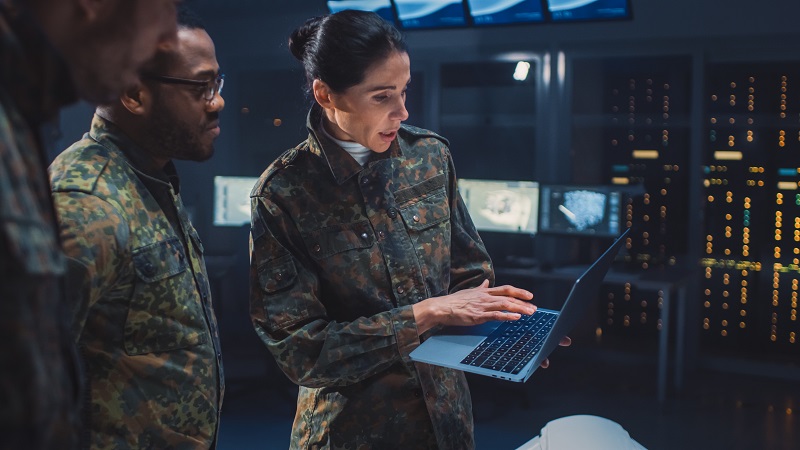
[(52, 52), (142, 311)]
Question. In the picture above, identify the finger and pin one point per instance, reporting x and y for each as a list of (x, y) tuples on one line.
[(500, 316), (511, 291), (498, 303), (545, 364), (566, 341)]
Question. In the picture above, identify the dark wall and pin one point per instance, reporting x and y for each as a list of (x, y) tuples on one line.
[(264, 83)]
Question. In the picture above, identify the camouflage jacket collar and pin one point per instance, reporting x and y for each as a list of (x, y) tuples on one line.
[(32, 74), (110, 136), (342, 165)]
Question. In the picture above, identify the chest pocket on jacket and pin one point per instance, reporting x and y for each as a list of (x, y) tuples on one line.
[(427, 220), (348, 260), (165, 312)]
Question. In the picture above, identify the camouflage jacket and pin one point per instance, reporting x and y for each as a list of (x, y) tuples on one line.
[(143, 318), (339, 254), (39, 382)]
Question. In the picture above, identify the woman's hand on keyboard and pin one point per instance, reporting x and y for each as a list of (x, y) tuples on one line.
[(473, 306)]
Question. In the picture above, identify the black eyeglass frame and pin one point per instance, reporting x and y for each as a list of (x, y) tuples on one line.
[(213, 86)]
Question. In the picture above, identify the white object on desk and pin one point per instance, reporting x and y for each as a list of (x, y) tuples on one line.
[(582, 432)]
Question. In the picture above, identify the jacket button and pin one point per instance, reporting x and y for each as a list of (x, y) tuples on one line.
[(279, 276), (365, 180), (400, 290), (392, 213), (149, 269), (416, 218), (364, 236), (317, 248), (381, 234)]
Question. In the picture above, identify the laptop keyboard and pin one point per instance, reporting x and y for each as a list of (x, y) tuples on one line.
[(513, 344)]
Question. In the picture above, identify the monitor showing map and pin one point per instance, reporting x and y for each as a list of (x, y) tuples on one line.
[(580, 210), (505, 206), (232, 200)]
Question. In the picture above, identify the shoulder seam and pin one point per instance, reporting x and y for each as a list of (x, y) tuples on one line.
[(63, 186), (282, 162)]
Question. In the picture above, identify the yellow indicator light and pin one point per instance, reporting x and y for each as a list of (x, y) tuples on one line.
[(725, 155), (645, 154)]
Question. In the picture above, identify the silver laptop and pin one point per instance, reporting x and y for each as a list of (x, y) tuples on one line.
[(513, 350)]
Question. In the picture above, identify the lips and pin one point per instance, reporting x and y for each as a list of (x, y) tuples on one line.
[(214, 127), (389, 136)]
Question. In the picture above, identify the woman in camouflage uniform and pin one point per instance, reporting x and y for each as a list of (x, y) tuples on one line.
[(361, 245)]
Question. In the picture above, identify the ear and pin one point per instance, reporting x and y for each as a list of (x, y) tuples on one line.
[(323, 94), (137, 100)]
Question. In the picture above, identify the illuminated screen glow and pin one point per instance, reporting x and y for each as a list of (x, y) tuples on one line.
[(232, 200), (580, 210), (506, 206)]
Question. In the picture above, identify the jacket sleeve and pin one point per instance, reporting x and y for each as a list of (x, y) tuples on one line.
[(470, 262), (95, 237), (291, 320)]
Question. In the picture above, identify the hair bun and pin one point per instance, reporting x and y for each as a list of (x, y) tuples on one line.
[(298, 41)]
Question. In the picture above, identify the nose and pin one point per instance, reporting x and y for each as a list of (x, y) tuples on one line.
[(400, 113), (216, 104)]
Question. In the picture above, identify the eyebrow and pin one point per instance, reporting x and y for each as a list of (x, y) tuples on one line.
[(391, 87), (208, 73)]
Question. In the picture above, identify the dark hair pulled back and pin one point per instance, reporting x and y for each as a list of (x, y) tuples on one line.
[(339, 48)]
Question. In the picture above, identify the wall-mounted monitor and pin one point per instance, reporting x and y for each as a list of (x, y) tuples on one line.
[(430, 14), (502, 12), (580, 210), (505, 206), (232, 200), (382, 7), (414, 14), (579, 10)]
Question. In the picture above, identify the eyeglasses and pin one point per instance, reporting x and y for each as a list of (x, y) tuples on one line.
[(210, 87)]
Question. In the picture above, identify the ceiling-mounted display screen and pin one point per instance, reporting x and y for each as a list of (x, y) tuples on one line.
[(382, 7), (502, 12), (430, 13), (575, 10)]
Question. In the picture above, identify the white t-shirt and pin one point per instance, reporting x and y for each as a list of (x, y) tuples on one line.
[(356, 150)]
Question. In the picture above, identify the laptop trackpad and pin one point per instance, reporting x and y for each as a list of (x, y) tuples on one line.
[(470, 336)]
